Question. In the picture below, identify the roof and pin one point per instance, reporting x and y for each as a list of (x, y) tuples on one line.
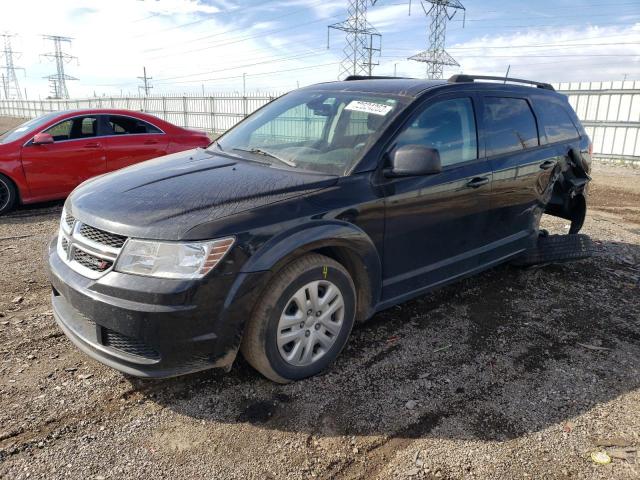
[(414, 87), (97, 111), (409, 87)]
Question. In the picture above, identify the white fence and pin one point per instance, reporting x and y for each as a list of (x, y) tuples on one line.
[(610, 112), (215, 113)]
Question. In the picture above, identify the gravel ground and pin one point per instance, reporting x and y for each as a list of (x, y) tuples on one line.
[(516, 373)]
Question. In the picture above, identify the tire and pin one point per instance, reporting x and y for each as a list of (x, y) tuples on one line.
[(557, 249), (279, 332), (8, 195)]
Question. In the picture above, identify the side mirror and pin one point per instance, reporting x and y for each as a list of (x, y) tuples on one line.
[(42, 139), (410, 160)]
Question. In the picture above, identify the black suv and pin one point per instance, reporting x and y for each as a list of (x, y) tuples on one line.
[(322, 208)]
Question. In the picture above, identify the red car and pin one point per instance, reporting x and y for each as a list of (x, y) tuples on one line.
[(47, 157)]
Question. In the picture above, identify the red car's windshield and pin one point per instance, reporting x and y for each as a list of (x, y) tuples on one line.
[(26, 127)]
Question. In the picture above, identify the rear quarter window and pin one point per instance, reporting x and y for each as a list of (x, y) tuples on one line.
[(121, 125), (556, 121), (509, 125)]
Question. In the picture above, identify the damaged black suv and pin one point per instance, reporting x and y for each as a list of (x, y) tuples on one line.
[(322, 208)]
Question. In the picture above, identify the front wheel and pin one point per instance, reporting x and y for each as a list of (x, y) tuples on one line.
[(8, 195), (302, 321)]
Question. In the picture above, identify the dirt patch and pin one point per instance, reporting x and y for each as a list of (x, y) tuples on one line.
[(511, 374)]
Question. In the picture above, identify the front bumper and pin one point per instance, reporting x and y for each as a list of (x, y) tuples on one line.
[(152, 327)]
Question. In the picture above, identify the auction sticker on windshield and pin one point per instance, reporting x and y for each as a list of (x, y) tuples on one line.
[(369, 107)]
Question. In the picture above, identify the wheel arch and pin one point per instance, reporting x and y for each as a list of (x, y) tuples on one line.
[(16, 186), (343, 242)]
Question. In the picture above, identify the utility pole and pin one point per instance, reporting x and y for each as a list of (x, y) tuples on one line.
[(58, 81), (11, 87), (440, 11), (145, 82), (363, 42), (4, 88)]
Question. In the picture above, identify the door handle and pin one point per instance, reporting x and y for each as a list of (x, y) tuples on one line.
[(91, 145), (151, 142), (547, 164), (477, 182)]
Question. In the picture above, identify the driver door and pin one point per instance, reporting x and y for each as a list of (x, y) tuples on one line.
[(77, 154), (435, 225)]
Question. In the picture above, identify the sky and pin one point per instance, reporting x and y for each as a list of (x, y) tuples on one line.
[(191, 46)]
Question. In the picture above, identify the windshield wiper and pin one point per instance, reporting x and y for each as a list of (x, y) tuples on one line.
[(216, 144), (264, 153)]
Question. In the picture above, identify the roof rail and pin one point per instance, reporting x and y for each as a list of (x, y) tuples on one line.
[(471, 78), (367, 77)]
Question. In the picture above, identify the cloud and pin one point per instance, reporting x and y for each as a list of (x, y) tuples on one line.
[(187, 43)]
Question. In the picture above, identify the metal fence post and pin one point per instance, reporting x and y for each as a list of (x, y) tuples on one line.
[(212, 102), (184, 110)]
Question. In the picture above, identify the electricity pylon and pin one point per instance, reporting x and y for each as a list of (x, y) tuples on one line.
[(58, 81), (363, 42), (11, 87), (440, 11)]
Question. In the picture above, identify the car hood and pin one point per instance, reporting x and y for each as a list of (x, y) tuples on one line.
[(167, 197)]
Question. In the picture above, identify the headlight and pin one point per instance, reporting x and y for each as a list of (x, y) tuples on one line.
[(172, 260)]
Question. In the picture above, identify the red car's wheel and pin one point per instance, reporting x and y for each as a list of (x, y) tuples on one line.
[(8, 195)]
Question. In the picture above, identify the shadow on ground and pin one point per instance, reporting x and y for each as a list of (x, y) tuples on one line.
[(494, 357)]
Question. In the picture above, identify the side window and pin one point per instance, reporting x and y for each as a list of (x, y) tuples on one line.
[(557, 123), (61, 131), (130, 126), (74, 128), (448, 126), (510, 125)]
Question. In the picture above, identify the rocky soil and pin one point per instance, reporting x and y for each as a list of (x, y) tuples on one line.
[(516, 373)]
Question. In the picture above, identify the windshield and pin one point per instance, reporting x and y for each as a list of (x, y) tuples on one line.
[(27, 127), (326, 132)]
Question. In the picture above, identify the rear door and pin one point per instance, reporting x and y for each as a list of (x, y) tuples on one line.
[(131, 140), (522, 170), (436, 225), (53, 170)]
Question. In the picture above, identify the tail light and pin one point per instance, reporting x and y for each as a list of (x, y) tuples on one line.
[(590, 148)]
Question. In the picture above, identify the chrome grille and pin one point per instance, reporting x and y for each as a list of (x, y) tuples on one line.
[(129, 345), (102, 237), (68, 219), (87, 250), (89, 261)]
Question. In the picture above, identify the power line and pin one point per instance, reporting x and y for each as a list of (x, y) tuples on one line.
[(254, 74), (146, 86), (10, 85), (248, 37), (224, 32), (541, 45), (58, 81), (248, 65)]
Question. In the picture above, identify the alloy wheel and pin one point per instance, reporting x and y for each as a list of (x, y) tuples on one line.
[(5, 195), (310, 323)]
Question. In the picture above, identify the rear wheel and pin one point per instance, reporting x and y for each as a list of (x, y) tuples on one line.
[(302, 321), (8, 195)]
